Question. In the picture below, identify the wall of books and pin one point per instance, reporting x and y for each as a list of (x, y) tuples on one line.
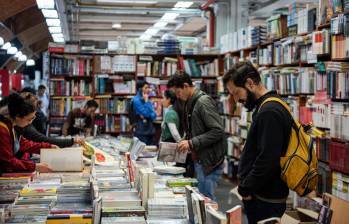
[(304, 57), (111, 80)]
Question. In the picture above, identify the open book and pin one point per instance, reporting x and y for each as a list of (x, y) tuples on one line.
[(168, 153)]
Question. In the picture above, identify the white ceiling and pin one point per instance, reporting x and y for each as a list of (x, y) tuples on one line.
[(93, 19)]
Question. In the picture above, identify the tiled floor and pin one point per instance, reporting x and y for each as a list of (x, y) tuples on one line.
[(225, 199)]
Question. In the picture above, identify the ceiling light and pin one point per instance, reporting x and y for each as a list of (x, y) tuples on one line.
[(46, 4), (55, 29), (6, 46), (12, 50), (18, 54), (145, 37), (169, 16), (49, 13), (116, 26), (57, 35), (2, 41), (160, 24), (58, 39), (53, 22), (152, 31), (30, 62), (183, 4), (23, 57)]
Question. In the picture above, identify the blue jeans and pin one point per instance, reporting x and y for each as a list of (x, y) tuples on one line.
[(208, 183)]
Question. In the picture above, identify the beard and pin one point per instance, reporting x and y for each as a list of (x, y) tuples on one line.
[(250, 102)]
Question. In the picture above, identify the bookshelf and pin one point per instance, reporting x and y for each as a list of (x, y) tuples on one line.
[(112, 77), (325, 104)]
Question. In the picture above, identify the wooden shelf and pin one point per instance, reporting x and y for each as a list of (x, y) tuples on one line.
[(109, 95), (120, 114), (297, 94), (340, 59), (66, 76), (340, 100)]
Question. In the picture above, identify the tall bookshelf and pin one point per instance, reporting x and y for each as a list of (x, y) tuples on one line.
[(111, 80), (318, 63)]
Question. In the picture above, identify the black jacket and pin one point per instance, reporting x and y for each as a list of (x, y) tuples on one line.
[(208, 137), (267, 140), (32, 134)]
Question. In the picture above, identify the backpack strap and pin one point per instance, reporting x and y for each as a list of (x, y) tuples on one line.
[(190, 112), (278, 100), (2, 124)]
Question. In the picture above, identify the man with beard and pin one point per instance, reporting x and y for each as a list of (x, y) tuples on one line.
[(264, 193)]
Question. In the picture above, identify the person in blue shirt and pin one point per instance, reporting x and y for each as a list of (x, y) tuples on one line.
[(144, 110)]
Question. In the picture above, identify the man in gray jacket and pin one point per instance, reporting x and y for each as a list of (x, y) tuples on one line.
[(205, 135)]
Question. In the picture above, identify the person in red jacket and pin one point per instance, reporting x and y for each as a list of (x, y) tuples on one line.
[(14, 149)]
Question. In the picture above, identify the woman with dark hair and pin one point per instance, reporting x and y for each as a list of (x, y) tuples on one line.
[(14, 149), (170, 125)]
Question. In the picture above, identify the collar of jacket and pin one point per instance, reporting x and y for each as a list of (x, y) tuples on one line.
[(4, 111), (193, 97), (264, 97)]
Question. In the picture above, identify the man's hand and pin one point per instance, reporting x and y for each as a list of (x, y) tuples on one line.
[(54, 146), (248, 198), (183, 146), (42, 168), (79, 140)]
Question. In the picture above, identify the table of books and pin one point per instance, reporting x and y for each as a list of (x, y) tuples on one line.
[(122, 182)]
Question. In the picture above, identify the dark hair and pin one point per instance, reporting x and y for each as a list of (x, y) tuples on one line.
[(178, 80), (91, 103), (28, 90), (41, 87), (141, 84), (170, 83), (4, 101), (240, 72), (170, 95), (19, 106)]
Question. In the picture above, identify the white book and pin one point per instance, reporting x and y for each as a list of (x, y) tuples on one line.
[(66, 159)]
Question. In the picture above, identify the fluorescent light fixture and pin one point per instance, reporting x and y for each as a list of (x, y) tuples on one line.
[(6, 46), (23, 57), (160, 24), (2, 41), (145, 36), (18, 54), (12, 50), (128, 2), (55, 29), (58, 39), (183, 4), (53, 22), (57, 35), (46, 4), (152, 31), (30, 62), (169, 16), (116, 26), (49, 13)]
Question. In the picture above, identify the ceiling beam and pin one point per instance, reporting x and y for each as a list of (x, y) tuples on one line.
[(24, 20), (9, 8)]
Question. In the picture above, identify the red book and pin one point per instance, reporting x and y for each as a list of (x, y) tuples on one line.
[(81, 67)]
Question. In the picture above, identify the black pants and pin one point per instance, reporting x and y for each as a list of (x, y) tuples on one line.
[(257, 210)]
